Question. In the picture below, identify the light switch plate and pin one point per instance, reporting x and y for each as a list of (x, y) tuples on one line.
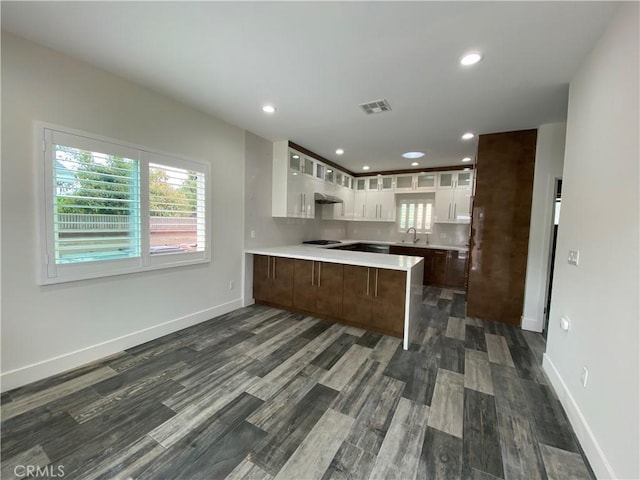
[(573, 258)]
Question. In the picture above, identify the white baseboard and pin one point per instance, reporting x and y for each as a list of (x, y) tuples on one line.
[(588, 441), (53, 366), (531, 324)]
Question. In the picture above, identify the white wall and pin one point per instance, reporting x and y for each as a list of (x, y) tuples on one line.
[(599, 218), (548, 167), (47, 329), (270, 231)]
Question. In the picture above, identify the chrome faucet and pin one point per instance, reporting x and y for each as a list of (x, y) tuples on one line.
[(415, 239)]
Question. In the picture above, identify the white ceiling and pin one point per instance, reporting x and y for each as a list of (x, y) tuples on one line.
[(316, 61)]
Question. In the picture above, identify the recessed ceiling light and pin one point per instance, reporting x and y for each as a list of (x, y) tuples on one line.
[(268, 109), (466, 169), (296, 156), (466, 159), (339, 151), (329, 171), (468, 136), (366, 167), (470, 58), (414, 164), (413, 155)]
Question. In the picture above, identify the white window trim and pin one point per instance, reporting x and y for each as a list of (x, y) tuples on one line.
[(50, 273)]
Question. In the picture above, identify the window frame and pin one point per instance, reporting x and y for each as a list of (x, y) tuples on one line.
[(415, 199), (50, 271)]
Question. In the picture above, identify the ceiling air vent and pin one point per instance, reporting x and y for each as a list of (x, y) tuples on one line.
[(377, 106)]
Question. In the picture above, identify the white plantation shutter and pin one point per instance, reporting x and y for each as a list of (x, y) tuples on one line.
[(417, 213), (96, 206), (176, 206), (111, 208)]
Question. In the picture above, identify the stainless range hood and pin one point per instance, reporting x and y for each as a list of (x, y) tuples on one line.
[(324, 199)]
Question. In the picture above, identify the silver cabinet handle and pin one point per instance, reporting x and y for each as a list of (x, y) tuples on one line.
[(455, 205), (319, 272), (363, 205), (368, 269), (376, 294), (449, 214), (313, 271)]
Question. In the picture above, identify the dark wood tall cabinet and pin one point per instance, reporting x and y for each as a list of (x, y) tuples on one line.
[(500, 226)]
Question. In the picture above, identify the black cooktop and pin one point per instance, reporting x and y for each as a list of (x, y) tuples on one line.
[(321, 242)]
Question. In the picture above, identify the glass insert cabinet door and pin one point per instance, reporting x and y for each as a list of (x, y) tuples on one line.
[(404, 181), (464, 179), (426, 180), (320, 171), (308, 166), (361, 184), (295, 161), (445, 180)]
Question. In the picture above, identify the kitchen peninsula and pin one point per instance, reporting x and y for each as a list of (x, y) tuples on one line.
[(379, 292)]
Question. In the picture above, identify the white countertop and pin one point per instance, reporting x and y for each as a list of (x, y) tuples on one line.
[(459, 248), (362, 259)]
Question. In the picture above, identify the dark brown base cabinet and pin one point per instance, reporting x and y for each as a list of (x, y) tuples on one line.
[(273, 280), (442, 268), (318, 287), (370, 298), (374, 298)]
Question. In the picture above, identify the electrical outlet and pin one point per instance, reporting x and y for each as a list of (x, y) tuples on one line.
[(231, 285), (584, 376), (573, 258), (253, 234)]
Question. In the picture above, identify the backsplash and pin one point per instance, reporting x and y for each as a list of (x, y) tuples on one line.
[(442, 234)]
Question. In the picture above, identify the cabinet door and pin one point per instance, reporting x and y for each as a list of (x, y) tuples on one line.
[(461, 205), (356, 303), (464, 179), (349, 197), (439, 267), (446, 180), (389, 298), (444, 206), (262, 278), (304, 290), (387, 209), (426, 182), (456, 269), (373, 205), (404, 183), (282, 281), (330, 288), (360, 204), (295, 206)]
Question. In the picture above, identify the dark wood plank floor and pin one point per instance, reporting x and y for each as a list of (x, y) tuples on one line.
[(260, 393)]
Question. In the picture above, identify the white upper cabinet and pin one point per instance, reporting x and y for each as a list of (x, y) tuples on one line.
[(453, 197), (380, 205), (416, 182), (293, 184)]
